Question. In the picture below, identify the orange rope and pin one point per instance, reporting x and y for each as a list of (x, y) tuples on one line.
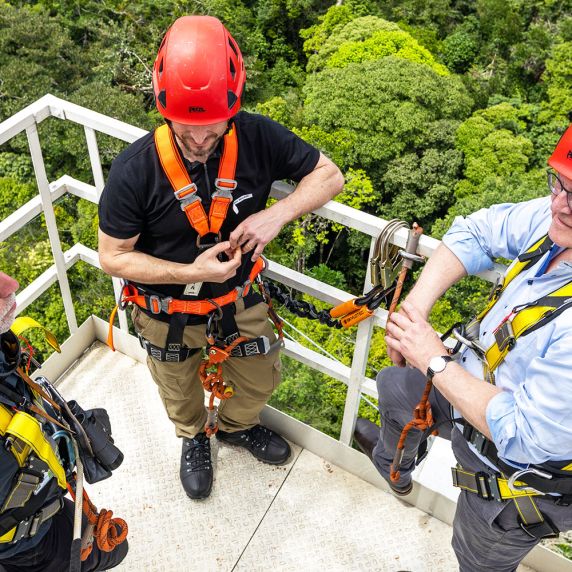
[(210, 374), (422, 420), (106, 528)]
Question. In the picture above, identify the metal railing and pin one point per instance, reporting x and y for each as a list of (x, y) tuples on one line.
[(49, 106)]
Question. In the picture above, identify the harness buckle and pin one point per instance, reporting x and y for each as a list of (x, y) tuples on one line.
[(240, 289), (187, 190), (222, 193), (229, 184), (518, 474), (504, 335), (487, 486), (207, 245), (158, 305), (540, 530)]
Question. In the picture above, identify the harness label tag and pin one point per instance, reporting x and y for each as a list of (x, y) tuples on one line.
[(193, 289)]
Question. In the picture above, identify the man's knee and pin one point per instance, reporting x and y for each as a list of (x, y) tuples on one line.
[(390, 385)]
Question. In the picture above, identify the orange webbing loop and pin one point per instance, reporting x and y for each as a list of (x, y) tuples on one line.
[(225, 183), (227, 166), (197, 217), (105, 528), (217, 214), (110, 331), (422, 420), (170, 159)]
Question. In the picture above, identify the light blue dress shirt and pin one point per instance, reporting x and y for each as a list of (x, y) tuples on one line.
[(531, 419)]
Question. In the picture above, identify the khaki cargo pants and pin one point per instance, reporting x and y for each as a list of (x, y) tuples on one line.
[(253, 378)]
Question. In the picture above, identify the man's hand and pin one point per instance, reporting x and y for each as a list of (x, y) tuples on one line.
[(410, 337), (256, 232), (209, 268)]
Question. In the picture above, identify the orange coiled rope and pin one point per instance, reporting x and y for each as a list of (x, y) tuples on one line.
[(422, 420), (107, 532)]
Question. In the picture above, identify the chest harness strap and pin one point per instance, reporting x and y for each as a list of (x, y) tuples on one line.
[(186, 191), (520, 486), (222, 335)]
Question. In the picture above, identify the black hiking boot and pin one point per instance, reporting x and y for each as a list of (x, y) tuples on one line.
[(196, 466), (366, 435), (266, 445)]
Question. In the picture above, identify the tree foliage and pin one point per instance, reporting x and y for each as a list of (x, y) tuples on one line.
[(431, 108)]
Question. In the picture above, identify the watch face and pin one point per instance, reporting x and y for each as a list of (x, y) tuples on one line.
[(437, 364)]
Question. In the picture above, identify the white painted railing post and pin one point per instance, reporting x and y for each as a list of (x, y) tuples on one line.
[(359, 365), (51, 224)]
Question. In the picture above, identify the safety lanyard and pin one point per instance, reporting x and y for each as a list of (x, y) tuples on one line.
[(186, 191)]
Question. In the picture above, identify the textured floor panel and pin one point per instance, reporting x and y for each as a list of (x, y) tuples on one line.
[(327, 519), (167, 531), (307, 516)]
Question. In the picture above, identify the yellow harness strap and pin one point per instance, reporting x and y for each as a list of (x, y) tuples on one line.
[(23, 323), (522, 322), (29, 430), (516, 268)]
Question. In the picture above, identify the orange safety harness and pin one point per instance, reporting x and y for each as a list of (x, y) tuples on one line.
[(217, 308), (186, 191)]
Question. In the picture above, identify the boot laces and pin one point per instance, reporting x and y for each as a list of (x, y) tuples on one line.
[(198, 453)]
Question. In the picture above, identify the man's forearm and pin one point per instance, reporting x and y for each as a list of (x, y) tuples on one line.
[(442, 270), (468, 395), (312, 192), (145, 269)]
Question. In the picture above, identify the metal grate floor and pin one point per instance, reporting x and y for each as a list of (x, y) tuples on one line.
[(307, 516)]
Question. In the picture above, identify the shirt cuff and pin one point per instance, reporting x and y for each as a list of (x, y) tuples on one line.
[(500, 419)]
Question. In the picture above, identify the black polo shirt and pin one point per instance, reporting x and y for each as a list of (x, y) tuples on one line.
[(138, 198)]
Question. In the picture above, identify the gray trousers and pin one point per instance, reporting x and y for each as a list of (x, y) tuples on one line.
[(486, 534)]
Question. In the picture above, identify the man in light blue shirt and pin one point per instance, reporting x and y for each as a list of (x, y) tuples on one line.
[(519, 425)]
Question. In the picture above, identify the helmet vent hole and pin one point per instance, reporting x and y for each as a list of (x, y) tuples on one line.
[(162, 97), (232, 69), (161, 67), (233, 47), (232, 97)]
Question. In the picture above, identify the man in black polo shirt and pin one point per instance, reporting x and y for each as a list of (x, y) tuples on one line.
[(222, 163)]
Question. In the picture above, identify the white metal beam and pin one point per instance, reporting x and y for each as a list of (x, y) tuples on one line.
[(51, 224)]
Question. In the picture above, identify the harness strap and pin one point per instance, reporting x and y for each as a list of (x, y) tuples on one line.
[(25, 522), (186, 191), (524, 260), (491, 486), (522, 322), (163, 354), (131, 294), (155, 304), (27, 429)]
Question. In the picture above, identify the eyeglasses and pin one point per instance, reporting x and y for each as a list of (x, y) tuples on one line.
[(555, 185)]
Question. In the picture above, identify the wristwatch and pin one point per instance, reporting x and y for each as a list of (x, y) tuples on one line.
[(437, 365)]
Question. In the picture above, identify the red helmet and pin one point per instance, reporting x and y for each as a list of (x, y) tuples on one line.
[(561, 158), (199, 75)]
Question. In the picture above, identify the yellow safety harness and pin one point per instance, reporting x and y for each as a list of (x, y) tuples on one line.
[(512, 484), (35, 453)]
